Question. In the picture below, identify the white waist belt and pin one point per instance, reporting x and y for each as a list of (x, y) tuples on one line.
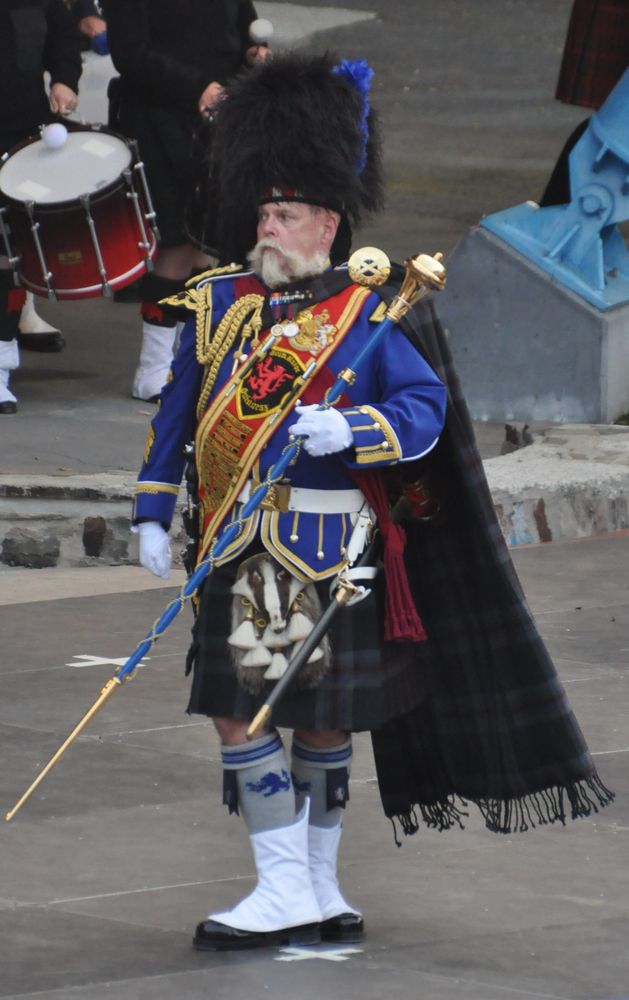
[(317, 501)]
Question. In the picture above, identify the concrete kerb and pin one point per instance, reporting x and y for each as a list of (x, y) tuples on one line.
[(572, 482), (48, 521)]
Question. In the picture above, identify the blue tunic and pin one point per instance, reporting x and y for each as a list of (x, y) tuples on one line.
[(396, 412)]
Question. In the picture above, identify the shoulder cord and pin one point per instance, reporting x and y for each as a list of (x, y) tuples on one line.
[(243, 316)]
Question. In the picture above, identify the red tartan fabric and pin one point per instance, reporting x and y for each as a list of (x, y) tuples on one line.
[(16, 300), (596, 52)]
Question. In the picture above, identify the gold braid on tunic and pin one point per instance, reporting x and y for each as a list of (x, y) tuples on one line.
[(244, 317)]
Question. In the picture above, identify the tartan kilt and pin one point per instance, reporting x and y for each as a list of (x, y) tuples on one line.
[(369, 681), (596, 52)]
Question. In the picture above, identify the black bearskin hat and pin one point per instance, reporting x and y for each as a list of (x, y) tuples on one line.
[(297, 127)]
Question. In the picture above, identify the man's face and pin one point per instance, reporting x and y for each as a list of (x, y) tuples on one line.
[(294, 241)]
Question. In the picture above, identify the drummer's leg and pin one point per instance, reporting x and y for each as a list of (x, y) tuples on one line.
[(159, 329), (11, 301), (35, 333)]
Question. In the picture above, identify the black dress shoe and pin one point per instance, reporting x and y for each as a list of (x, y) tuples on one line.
[(8, 407), (46, 343), (346, 927), (213, 936)]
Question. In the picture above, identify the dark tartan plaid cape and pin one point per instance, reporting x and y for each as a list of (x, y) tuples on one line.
[(496, 728), (596, 52)]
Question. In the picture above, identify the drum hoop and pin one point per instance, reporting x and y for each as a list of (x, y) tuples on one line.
[(63, 206), (52, 207), (73, 127)]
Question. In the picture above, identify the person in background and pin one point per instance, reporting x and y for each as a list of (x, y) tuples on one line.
[(36, 36), (173, 60), (596, 54), (90, 22)]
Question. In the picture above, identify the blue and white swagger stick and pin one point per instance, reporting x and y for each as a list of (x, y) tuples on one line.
[(369, 267)]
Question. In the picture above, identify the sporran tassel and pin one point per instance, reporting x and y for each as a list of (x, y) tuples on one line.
[(278, 667), (299, 627), (257, 657), (244, 637)]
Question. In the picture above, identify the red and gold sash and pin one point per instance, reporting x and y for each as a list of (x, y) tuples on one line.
[(253, 403)]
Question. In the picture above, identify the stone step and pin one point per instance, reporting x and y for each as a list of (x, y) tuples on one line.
[(571, 482), (70, 520)]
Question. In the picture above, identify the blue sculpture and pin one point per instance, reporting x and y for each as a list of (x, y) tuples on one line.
[(579, 244)]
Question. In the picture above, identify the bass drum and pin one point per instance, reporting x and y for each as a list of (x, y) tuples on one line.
[(76, 220), (201, 210)]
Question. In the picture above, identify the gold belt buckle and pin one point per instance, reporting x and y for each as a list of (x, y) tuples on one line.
[(277, 497)]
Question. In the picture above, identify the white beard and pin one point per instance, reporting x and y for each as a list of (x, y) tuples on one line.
[(284, 267)]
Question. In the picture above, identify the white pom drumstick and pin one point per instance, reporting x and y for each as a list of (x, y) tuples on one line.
[(54, 135), (260, 31)]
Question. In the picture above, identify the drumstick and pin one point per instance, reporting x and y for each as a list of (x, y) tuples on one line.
[(260, 31)]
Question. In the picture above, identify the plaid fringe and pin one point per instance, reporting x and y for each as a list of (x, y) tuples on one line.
[(516, 815), (496, 729)]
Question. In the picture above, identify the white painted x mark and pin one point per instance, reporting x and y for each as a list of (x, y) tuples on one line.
[(100, 661), (327, 954)]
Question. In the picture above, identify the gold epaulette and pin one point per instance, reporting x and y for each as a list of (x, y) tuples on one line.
[(214, 272), (188, 297), (197, 297)]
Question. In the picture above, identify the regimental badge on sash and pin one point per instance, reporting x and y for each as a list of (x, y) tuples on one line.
[(314, 331), (270, 381)]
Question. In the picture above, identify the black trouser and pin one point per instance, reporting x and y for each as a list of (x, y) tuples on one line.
[(11, 302)]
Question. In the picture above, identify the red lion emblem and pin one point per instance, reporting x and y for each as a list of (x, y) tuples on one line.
[(268, 376)]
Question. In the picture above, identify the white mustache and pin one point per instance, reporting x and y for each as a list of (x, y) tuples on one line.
[(271, 243)]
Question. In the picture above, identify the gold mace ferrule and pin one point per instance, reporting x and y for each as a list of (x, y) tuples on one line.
[(424, 274), (112, 685)]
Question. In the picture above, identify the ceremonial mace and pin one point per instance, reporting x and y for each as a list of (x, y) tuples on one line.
[(369, 267)]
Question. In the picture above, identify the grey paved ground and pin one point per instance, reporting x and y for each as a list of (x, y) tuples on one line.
[(106, 870)]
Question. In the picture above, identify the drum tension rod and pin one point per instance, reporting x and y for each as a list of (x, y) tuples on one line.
[(46, 273), (149, 213), (85, 202), (14, 259), (135, 199)]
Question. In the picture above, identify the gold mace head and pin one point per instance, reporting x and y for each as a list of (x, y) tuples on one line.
[(371, 267), (427, 270), (424, 274)]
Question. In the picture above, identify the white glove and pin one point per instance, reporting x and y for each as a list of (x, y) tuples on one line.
[(327, 431), (155, 554)]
